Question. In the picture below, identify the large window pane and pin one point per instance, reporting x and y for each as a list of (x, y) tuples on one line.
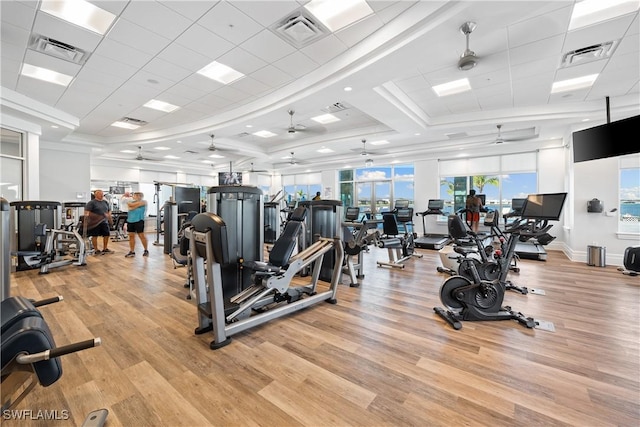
[(11, 179), (630, 200)]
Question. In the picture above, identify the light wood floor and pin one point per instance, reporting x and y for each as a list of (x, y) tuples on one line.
[(379, 357)]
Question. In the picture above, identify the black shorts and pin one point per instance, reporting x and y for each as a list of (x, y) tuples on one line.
[(101, 229), (135, 227)]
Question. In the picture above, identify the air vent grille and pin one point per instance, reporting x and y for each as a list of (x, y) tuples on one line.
[(334, 108), (590, 53), (58, 49), (133, 121), (243, 134), (300, 29)]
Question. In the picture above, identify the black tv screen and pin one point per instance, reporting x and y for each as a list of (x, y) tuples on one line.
[(483, 198), (544, 206), (435, 204), (230, 178), (608, 140)]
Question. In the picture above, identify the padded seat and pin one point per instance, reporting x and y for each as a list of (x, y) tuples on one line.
[(13, 309)]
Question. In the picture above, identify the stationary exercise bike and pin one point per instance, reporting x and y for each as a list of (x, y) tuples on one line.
[(477, 298)]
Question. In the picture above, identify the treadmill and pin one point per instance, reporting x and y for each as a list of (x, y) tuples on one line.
[(430, 240), (531, 249)]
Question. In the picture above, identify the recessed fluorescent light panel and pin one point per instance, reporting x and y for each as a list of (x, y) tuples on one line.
[(325, 150), (81, 13), (264, 134), (379, 142), (220, 73), (161, 106), (574, 84), (125, 125), (451, 88), (325, 118), (170, 156), (588, 12), (127, 151), (162, 148), (216, 156), (46, 75), (338, 14)]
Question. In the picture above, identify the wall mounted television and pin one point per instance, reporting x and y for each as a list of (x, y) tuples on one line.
[(544, 206), (230, 178), (608, 140)]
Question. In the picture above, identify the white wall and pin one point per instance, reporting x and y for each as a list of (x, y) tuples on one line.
[(64, 176)]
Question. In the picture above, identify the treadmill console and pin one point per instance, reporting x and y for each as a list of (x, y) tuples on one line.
[(434, 207)]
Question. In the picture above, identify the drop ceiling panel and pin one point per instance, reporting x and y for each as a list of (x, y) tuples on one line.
[(271, 76), (182, 94), (551, 46), (494, 97), (166, 70), (9, 75), (267, 13), (41, 60), (243, 61), (231, 94), (137, 37), (532, 93), (210, 103), (603, 32), (20, 14), (388, 10), (107, 69), (580, 70), (123, 53), (534, 68), (325, 49), (490, 79), (461, 104), (297, 64), (203, 41), (11, 52), (78, 103), (201, 83), (251, 86), (267, 46), (184, 57), (190, 9), (554, 23), (230, 23), (47, 93), (629, 44), (355, 33), (12, 35), (156, 17)]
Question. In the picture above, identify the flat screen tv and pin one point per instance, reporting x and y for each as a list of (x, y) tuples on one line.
[(483, 198), (544, 206), (608, 140), (435, 204), (230, 178)]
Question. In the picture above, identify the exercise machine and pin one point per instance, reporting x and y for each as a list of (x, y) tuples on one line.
[(530, 249), (477, 299), (432, 240), (357, 235), (323, 219), (271, 294), (400, 247), (631, 261)]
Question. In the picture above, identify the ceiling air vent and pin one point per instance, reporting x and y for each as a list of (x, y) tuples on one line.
[(456, 135), (58, 49), (334, 108), (133, 121), (589, 53), (243, 134), (300, 29)]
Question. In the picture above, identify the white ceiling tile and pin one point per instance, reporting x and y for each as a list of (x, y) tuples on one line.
[(201, 40), (542, 26), (167, 70), (325, 49), (181, 94), (48, 93), (201, 83), (531, 93), (210, 102), (190, 9), (271, 76), (74, 35), (12, 35), (353, 34), (613, 29), (157, 18), (388, 10), (123, 53), (100, 69), (267, 46), (580, 70), (46, 61), (230, 23), (489, 79), (267, 13), (18, 13), (231, 94), (147, 114), (184, 57), (78, 103), (297, 64), (114, 6), (11, 52), (411, 83), (141, 39), (241, 60), (154, 82), (568, 97), (542, 48), (9, 74), (250, 86), (496, 96), (533, 68)]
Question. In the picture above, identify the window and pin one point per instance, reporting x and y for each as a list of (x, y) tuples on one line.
[(11, 165), (629, 200)]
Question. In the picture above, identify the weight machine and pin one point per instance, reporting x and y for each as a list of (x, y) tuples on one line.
[(400, 247), (271, 294)]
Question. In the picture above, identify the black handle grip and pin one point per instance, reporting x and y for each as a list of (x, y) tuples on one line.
[(72, 348), (46, 301)]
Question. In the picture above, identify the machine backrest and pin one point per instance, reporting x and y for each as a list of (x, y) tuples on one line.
[(286, 243), (15, 308), (390, 224), (456, 227), (218, 237), (299, 214), (404, 215)]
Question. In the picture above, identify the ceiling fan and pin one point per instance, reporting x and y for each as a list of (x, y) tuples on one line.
[(215, 149), (140, 157), (294, 128), (250, 170), (516, 135), (468, 59)]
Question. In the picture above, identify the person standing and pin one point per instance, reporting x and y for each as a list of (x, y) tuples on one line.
[(97, 217), (317, 196), (125, 199), (473, 205), (135, 224)]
